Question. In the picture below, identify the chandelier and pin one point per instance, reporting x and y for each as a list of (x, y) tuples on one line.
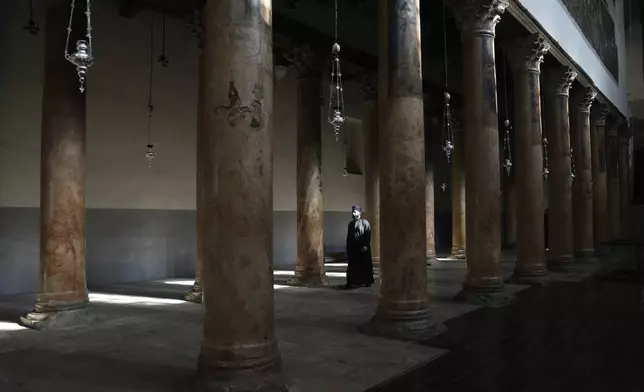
[(447, 144), (336, 95), (507, 127), (82, 58)]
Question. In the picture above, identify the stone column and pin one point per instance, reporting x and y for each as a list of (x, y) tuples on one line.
[(525, 56), (238, 347), (62, 285), (560, 229), (430, 225), (582, 188), (310, 243), (372, 177), (195, 294), (478, 20), (613, 184), (458, 196), (509, 209), (598, 157), (403, 309), (624, 140)]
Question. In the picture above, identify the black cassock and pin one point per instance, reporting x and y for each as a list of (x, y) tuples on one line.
[(360, 265)]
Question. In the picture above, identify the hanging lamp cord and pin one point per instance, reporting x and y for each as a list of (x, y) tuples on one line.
[(151, 78), (445, 44), (336, 21)]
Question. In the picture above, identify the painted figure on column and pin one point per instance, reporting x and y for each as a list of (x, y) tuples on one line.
[(360, 268)]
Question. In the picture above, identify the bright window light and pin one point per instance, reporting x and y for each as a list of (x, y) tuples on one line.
[(121, 299), (6, 326)]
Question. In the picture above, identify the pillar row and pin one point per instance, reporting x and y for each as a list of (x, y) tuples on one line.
[(62, 283), (478, 20), (525, 56), (458, 249), (582, 189), (372, 173), (560, 229), (238, 346)]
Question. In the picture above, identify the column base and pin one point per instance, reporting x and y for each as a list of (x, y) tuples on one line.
[(270, 380), (417, 325), (308, 281), (541, 280), (430, 257), (561, 263), (457, 252), (485, 297), (195, 294), (61, 319)]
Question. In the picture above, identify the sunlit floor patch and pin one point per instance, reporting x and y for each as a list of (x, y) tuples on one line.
[(121, 299), (6, 326), (291, 273), (191, 282), (336, 264)]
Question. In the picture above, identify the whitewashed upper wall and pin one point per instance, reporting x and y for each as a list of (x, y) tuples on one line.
[(553, 16), (117, 175)]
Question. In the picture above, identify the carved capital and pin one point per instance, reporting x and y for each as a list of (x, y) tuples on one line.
[(560, 80), (304, 61), (369, 86), (602, 114), (586, 101), (526, 53), (478, 16)]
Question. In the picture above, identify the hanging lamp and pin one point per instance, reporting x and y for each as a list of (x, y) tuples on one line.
[(447, 142), (546, 170), (83, 57), (572, 165), (31, 26), (507, 127), (150, 153), (336, 115), (163, 59)]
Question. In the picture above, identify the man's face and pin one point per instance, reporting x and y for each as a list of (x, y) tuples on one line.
[(356, 214)]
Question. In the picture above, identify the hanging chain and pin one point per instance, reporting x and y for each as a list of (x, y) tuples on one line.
[(572, 164), (336, 115), (83, 57), (546, 170), (163, 59), (447, 135), (149, 155), (31, 26), (507, 150)]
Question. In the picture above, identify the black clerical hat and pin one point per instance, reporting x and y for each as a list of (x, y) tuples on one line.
[(356, 208)]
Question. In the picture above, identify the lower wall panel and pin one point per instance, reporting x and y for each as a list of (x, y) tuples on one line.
[(134, 245)]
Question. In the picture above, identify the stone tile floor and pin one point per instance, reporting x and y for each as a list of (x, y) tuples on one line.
[(144, 338)]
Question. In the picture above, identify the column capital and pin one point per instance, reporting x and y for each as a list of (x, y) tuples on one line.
[(585, 100), (478, 16), (601, 115), (304, 61), (369, 85), (526, 53), (560, 80)]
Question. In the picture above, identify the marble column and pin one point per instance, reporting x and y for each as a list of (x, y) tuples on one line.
[(430, 225), (613, 184), (62, 284), (309, 270), (238, 346), (478, 20), (372, 178), (598, 158), (525, 56), (509, 189), (195, 294), (558, 83), (624, 140), (403, 307), (458, 196), (582, 188)]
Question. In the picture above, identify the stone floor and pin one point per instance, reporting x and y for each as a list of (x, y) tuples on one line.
[(144, 338)]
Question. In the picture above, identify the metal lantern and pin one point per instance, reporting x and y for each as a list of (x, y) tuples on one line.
[(82, 58)]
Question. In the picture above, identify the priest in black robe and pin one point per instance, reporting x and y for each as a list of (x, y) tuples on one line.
[(360, 264)]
